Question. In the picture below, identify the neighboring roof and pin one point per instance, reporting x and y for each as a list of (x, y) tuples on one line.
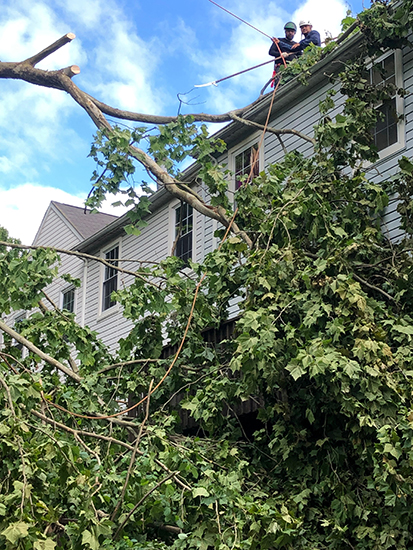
[(83, 220)]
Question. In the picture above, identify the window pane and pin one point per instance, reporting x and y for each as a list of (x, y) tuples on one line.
[(183, 232), (243, 163), (390, 68), (69, 300), (386, 132), (110, 283)]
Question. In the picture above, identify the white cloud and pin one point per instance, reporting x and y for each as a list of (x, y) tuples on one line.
[(124, 69), (325, 15)]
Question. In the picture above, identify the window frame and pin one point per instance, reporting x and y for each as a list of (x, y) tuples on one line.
[(174, 205), (103, 311), (63, 293), (240, 148), (400, 126)]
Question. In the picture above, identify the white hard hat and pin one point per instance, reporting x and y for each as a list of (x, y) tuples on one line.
[(303, 23)]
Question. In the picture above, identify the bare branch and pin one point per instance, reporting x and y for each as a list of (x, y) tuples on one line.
[(156, 119), (276, 131), (82, 255), (50, 49)]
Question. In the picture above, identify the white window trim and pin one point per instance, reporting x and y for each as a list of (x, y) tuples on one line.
[(103, 313), (251, 140), (173, 205), (401, 129)]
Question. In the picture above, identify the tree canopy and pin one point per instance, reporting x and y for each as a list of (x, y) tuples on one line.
[(322, 346)]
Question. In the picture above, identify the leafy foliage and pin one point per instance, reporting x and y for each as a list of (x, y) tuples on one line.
[(322, 346)]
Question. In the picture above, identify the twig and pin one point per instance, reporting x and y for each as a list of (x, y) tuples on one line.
[(81, 255), (276, 131), (375, 288), (133, 457), (126, 363), (188, 385), (115, 536), (119, 442)]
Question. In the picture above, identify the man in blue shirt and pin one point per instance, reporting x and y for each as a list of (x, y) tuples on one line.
[(281, 48), (284, 44), (310, 37)]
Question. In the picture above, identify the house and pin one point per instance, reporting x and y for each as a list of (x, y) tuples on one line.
[(295, 107)]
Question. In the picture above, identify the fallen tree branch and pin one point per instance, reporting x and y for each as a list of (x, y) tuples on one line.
[(81, 255), (59, 425), (96, 110), (133, 456), (34, 349)]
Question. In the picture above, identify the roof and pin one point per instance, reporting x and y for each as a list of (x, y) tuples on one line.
[(84, 220)]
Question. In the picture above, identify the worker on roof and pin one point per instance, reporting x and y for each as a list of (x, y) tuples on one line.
[(310, 37), (282, 48), (284, 44)]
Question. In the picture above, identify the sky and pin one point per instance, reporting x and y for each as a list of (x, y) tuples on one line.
[(136, 55)]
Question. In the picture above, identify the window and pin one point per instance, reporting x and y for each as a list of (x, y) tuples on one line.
[(110, 279), (68, 300), (243, 162), (388, 131), (184, 224)]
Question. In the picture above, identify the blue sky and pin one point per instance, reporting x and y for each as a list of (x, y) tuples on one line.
[(135, 55)]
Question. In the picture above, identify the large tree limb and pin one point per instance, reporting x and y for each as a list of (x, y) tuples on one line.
[(157, 119), (96, 110)]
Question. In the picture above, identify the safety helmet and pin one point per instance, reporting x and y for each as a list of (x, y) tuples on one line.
[(290, 25), (304, 23)]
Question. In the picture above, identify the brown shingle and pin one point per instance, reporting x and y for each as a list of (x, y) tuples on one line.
[(84, 221)]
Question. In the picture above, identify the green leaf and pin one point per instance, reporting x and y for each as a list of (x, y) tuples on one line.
[(90, 539), (406, 165), (295, 370), (404, 330), (47, 544), (16, 531), (200, 492)]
